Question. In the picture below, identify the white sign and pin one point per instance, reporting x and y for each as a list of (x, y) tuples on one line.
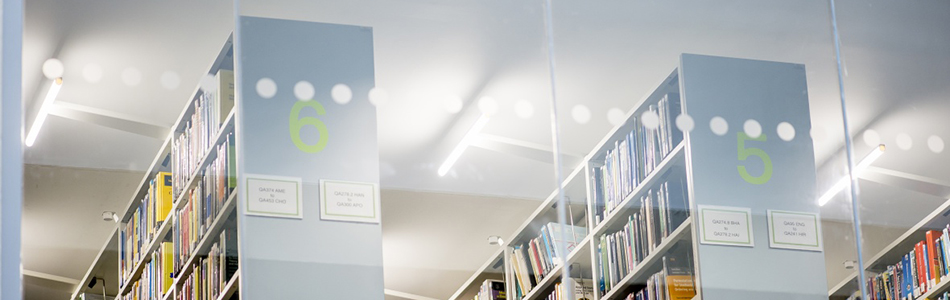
[(274, 196), (794, 230), (349, 201), (721, 225)]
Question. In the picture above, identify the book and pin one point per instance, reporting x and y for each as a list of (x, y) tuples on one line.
[(224, 96), (678, 272), (633, 156), (537, 257), (491, 290), (921, 267), (932, 259), (581, 289), (163, 196), (908, 285), (140, 231), (168, 266)]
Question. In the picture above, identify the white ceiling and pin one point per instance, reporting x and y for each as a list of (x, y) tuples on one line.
[(608, 55)]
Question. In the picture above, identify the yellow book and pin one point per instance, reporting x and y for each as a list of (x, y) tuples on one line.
[(225, 94), (163, 195), (168, 266)]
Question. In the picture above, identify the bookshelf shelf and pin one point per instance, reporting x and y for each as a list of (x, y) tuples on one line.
[(842, 289), (170, 294), (491, 269), (207, 157), (644, 181), (231, 287), (574, 190), (543, 288), (218, 139), (938, 289), (652, 262), (893, 252), (152, 246), (615, 218), (165, 228), (207, 239)]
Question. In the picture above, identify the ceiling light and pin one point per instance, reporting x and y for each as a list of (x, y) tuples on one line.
[(463, 144), (844, 182), (44, 111), (495, 240), (110, 216)]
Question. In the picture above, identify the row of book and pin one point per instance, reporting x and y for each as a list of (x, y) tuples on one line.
[(919, 271), (635, 156), (582, 289), (491, 290), (210, 276), (662, 210), (534, 259), (204, 202), (141, 229), (191, 144), (157, 276), (673, 282)]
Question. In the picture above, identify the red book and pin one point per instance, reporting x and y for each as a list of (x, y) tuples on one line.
[(921, 267), (934, 261)]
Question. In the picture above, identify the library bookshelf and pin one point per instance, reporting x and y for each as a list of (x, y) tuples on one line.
[(160, 230), (190, 230), (634, 199), (892, 254)]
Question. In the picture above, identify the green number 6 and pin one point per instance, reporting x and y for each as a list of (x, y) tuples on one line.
[(746, 152), (296, 123)]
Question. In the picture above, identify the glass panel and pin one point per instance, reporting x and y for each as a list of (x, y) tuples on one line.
[(107, 85), (406, 150), (895, 86), (444, 105), (711, 132)]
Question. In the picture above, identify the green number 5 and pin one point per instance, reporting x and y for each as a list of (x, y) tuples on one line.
[(297, 123), (746, 152)]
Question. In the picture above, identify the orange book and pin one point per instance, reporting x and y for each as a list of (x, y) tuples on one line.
[(933, 259)]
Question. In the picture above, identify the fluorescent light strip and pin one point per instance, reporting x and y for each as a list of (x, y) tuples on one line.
[(463, 144), (44, 111), (844, 182)]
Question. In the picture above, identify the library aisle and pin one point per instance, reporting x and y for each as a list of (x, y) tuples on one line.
[(474, 150)]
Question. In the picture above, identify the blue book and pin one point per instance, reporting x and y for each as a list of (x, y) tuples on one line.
[(907, 288), (547, 244)]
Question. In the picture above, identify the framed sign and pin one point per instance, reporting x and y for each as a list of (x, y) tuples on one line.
[(273, 196), (729, 226), (349, 201), (794, 230)]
